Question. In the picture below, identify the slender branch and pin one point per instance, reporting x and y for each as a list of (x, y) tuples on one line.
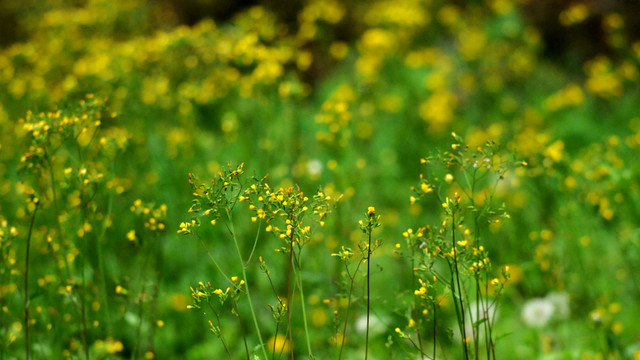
[(255, 243), (242, 330), (457, 278), (435, 324), (101, 262), (298, 270), (290, 290), (275, 340), (366, 353), (415, 300), (346, 316), (246, 286), (26, 283), (219, 333)]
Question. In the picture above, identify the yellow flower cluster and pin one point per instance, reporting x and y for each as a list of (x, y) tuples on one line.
[(315, 12), (570, 95), (290, 206), (574, 14), (602, 80), (336, 116), (154, 217)]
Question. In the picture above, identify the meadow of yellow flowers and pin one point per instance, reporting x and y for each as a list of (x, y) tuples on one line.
[(407, 179)]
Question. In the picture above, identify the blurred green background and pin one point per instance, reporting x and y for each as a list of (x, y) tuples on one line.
[(348, 96)]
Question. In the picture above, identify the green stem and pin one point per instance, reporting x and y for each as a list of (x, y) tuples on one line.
[(219, 332), (136, 346), (156, 291), (255, 243), (142, 279), (476, 330), (242, 330), (83, 291), (304, 312), (213, 260), (456, 272), (290, 290), (435, 324), (346, 315), (56, 211), (26, 284), (366, 346), (103, 277), (246, 286), (415, 300), (275, 340)]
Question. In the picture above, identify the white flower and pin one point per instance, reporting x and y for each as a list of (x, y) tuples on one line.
[(537, 312), (376, 326), (560, 301), (314, 167)]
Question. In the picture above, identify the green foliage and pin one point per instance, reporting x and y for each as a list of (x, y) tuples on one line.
[(344, 101)]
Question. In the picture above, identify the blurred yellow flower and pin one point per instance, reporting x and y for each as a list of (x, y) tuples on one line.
[(279, 344), (131, 235)]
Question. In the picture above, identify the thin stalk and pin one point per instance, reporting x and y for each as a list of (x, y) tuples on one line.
[(284, 343), (366, 346), (457, 278), (415, 346), (220, 334), (142, 279), (290, 290), (83, 292), (415, 301), (298, 272), (136, 347), (476, 331), (278, 319), (487, 328), (246, 286), (156, 292), (275, 340), (244, 333), (346, 316), (103, 277), (213, 260), (435, 324), (255, 243), (56, 210), (493, 319), (26, 284)]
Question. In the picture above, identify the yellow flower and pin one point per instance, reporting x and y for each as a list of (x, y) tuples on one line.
[(131, 235), (279, 343), (555, 151), (113, 346), (448, 178), (371, 210)]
